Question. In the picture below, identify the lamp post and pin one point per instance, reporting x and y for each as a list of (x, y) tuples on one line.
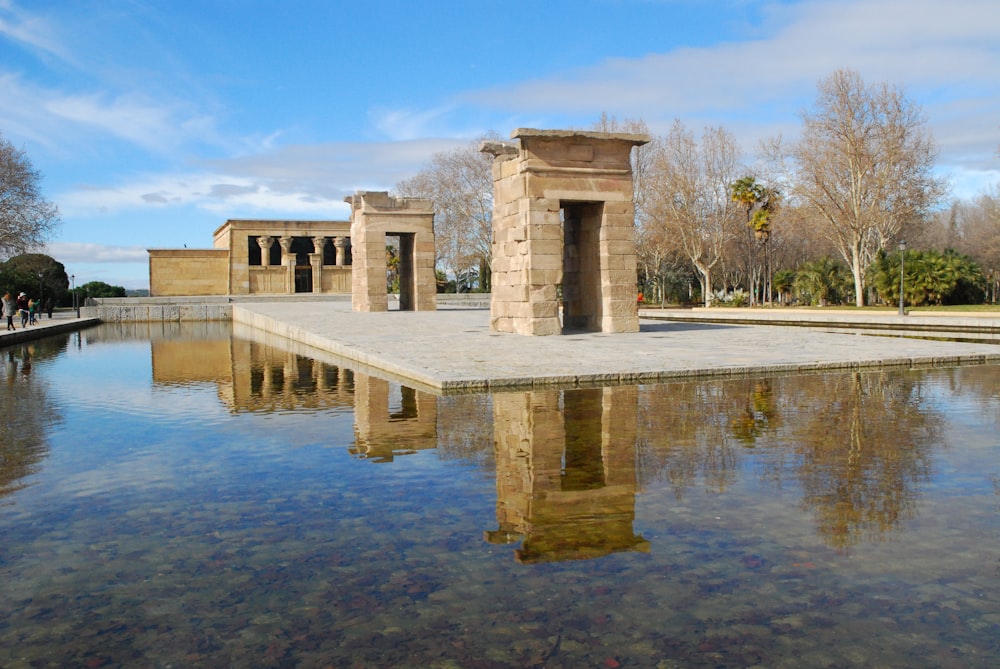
[(76, 306), (902, 251)]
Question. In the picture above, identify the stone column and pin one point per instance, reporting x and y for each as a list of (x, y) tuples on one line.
[(340, 245), (316, 260), (288, 260), (265, 250)]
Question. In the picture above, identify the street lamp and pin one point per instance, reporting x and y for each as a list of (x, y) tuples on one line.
[(76, 306), (902, 251)]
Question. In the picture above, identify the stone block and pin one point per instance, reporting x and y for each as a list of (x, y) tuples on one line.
[(544, 293)]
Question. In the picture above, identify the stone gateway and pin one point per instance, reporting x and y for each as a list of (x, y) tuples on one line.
[(563, 232)]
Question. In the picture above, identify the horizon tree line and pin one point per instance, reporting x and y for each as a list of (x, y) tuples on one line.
[(857, 183)]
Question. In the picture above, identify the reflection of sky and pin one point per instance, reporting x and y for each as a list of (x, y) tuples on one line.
[(120, 431), (965, 462), (159, 507)]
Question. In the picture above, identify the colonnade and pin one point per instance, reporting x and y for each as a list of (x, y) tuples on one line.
[(341, 245)]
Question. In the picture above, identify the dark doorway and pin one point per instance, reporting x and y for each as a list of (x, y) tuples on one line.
[(300, 248), (303, 279), (581, 286)]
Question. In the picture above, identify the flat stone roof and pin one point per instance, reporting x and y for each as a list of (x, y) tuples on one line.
[(453, 350)]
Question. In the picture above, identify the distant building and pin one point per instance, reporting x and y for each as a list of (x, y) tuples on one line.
[(258, 257)]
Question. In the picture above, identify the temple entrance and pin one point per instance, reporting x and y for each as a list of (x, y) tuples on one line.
[(405, 272), (393, 239), (563, 233), (303, 279), (301, 248), (581, 284)]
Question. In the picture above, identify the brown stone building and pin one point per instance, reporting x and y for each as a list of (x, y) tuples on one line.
[(257, 257)]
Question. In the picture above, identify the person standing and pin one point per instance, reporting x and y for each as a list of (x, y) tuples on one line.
[(32, 311), (9, 307), (48, 307), (22, 306)]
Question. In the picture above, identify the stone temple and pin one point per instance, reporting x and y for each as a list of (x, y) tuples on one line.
[(563, 232), (563, 243)]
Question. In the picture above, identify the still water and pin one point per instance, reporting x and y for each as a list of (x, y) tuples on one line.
[(190, 497)]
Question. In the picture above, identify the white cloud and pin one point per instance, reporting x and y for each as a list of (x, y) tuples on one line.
[(903, 41), (944, 56), (73, 123), (224, 194), (295, 181), (155, 125), (30, 29), (74, 252)]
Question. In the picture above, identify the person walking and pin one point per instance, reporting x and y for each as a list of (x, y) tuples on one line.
[(22, 306), (9, 307)]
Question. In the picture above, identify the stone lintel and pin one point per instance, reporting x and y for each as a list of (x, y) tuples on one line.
[(496, 148), (633, 138)]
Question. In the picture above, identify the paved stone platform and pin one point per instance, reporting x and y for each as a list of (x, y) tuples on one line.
[(452, 349)]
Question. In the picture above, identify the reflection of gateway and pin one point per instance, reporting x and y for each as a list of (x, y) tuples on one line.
[(566, 480), (387, 425)]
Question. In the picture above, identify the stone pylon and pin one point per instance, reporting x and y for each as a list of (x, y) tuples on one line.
[(563, 232), (374, 216)]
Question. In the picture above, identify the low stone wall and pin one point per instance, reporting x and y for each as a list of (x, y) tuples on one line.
[(220, 307), (122, 313)]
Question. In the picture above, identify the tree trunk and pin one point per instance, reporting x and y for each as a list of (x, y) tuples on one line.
[(859, 277), (706, 285)]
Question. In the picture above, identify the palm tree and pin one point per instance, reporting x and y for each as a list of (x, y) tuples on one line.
[(759, 202), (821, 282), (783, 281)]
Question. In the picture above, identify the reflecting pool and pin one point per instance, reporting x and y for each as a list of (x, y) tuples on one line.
[(194, 497)]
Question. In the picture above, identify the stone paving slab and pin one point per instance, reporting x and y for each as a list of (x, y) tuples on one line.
[(453, 349)]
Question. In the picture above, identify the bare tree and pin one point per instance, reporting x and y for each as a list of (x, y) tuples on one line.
[(864, 165), (26, 218), (652, 251), (460, 184), (980, 232), (689, 195)]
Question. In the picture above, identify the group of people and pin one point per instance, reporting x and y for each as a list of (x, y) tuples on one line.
[(29, 309)]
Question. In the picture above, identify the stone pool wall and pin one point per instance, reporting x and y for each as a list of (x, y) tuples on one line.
[(178, 309)]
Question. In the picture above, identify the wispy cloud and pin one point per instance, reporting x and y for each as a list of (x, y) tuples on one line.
[(74, 252), (156, 125), (304, 180), (904, 41), (31, 30)]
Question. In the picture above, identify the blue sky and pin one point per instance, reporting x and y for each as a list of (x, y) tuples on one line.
[(155, 121)]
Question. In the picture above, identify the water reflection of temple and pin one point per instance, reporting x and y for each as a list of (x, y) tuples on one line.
[(566, 461), (566, 480), (251, 376), (391, 420)]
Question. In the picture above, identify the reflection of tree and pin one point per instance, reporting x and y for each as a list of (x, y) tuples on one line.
[(858, 443), (864, 441), (759, 414), (26, 413), (690, 431)]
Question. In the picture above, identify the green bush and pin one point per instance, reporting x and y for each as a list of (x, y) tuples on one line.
[(930, 278)]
